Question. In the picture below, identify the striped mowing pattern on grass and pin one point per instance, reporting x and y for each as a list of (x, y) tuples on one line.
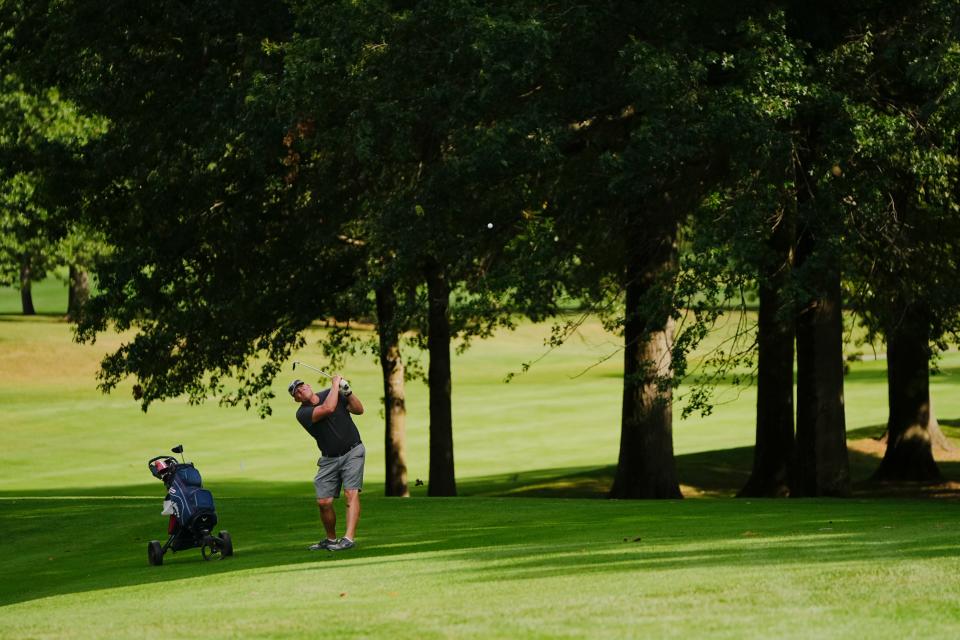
[(493, 567)]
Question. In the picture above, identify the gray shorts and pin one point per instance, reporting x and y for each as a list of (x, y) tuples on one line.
[(344, 471)]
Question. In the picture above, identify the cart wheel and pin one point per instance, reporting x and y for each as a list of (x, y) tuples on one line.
[(226, 544), (155, 553), (209, 547)]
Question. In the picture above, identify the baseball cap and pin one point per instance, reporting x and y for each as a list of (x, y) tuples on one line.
[(293, 386)]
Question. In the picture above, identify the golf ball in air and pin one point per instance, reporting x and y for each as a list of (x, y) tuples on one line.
[(489, 225)]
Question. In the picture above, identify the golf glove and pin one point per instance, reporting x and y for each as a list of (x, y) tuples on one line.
[(345, 389)]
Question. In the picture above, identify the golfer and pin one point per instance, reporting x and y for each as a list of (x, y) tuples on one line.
[(326, 417)]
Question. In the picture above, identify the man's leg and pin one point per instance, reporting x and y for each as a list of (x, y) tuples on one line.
[(352, 485), (327, 486), (328, 516), (352, 498)]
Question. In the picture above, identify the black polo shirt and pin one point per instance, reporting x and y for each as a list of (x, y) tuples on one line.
[(336, 433)]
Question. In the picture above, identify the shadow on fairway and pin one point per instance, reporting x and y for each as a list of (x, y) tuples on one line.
[(64, 546), (713, 474), (706, 474), (155, 490), (61, 541), (45, 315)]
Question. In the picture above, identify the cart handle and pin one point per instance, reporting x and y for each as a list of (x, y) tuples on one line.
[(150, 462)]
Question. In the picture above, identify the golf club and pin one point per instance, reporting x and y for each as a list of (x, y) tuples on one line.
[(344, 385), (304, 364)]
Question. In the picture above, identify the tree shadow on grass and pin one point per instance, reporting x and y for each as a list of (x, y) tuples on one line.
[(60, 316), (714, 474), (711, 474), (64, 546), (155, 490), (97, 540)]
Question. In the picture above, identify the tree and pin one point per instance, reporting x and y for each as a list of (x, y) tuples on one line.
[(822, 135), (81, 250), (41, 134), (902, 202), (651, 147), (395, 407), (853, 152), (24, 250), (743, 237), (219, 234), (435, 157), (822, 464), (187, 185)]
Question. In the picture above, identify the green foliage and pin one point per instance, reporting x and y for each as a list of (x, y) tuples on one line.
[(187, 187), (430, 143), (257, 169), (900, 181), (83, 247), (41, 136)]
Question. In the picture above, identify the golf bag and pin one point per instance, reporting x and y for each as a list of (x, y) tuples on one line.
[(191, 510)]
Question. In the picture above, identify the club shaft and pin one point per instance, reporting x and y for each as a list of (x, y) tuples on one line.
[(304, 364)]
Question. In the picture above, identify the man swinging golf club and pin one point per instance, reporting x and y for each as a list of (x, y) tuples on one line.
[(326, 417)]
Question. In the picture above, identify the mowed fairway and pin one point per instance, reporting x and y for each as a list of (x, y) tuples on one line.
[(493, 567), (78, 505)]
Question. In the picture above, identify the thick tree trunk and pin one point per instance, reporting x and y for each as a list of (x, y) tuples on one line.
[(773, 453), (26, 294), (646, 467), (823, 467), (442, 479), (938, 438), (394, 400), (909, 454), (78, 292)]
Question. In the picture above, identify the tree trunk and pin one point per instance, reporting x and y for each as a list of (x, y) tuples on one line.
[(442, 479), (646, 467), (26, 294), (773, 453), (823, 467), (78, 292), (909, 454), (938, 438), (394, 400)]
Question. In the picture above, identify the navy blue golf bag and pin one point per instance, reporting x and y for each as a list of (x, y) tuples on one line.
[(191, 510), (193, 507)]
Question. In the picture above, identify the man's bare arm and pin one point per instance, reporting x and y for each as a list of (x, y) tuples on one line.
[(354, 405), (329, 405)]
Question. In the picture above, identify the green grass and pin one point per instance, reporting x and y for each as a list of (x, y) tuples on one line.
[(491, 567), (516, 557), (49, 296)]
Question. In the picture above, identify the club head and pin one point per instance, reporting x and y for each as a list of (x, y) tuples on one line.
[(294, 366), (177, 449)]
